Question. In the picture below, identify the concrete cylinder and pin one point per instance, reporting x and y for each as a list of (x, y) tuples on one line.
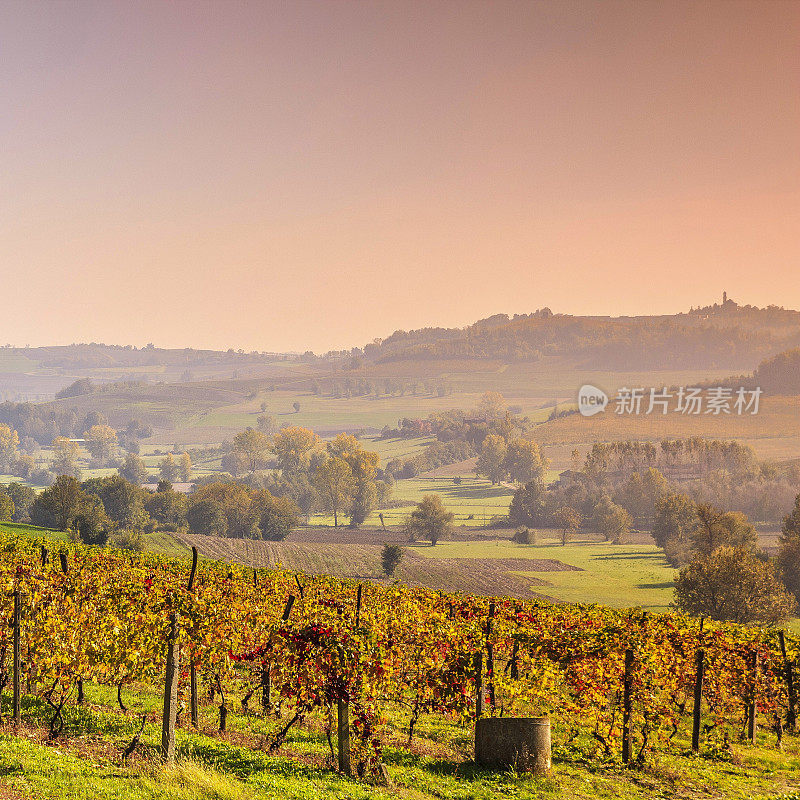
[(522, 743)]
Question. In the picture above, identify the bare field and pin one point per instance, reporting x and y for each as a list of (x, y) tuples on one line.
[(346, 558)]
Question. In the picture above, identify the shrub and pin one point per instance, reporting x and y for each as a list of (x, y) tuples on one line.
[(128, 540), (524, 536), (391, 556)]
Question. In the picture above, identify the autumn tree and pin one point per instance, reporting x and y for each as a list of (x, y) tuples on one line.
[(22, 496), (57, 506), (492, 406), (266, 424), (528, 505), (716, 528), (133, 469), (640, 493), (167, 508), (430, 520), (254, 447), (674, 521), (524, 461), (236, 503), (732, 584), (100, 442), (491, 461), (611, 520), (788, 560), (122, 500), (568, 521), (335, 484), (185, 467), (7, 507), (9, 443), (391, 556), (364, 467), (293, 446), (208, 518), (65, 457), (168, 469), (791, 522), (91, 525), (277, 516)]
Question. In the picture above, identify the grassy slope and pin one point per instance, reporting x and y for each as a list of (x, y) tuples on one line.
[(15, 528), (527, 385), (472, 502), (84, 764), (621, 576)]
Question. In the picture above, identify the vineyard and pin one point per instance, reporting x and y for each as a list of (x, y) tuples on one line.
[(293, 647)]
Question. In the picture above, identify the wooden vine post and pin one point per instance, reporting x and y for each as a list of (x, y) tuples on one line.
[(627, 706), (170, 691), (791, 714), (479, 696), (751, 700), (266, 679), (62, 557), (490, 655), (193, 701), (343, 735), (698, 699), (343, 710), (17, 668)]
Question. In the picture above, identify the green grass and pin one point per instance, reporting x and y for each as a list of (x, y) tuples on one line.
[(474, 501), (31, 531), (328, 413), (621, 576), (165, 544), (84, 762)]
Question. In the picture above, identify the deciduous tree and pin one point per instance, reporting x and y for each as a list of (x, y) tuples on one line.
[(491, 461), (568, 521), (134, 469), (430, 520), (336, 485), (254, 447), (611, 520), (732, 584), (100, 442), (524, 461), (293, 446), (65, 457)]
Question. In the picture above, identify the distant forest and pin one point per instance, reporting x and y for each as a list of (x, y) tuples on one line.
[(720, 336)]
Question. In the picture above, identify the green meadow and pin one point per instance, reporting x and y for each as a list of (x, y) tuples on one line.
[(621, 576)]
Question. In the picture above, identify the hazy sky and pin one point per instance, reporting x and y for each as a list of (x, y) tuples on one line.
[(292, 175)]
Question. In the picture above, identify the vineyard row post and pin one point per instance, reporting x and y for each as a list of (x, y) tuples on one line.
[(170, 691), (490, 655), (266, 679), (627, 704), (193, 702), (791, 716), (751, 700), (698, 699), (479, 699), (343, 710), (17, 667)]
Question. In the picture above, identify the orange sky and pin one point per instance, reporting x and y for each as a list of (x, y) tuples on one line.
[(297, 175)]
